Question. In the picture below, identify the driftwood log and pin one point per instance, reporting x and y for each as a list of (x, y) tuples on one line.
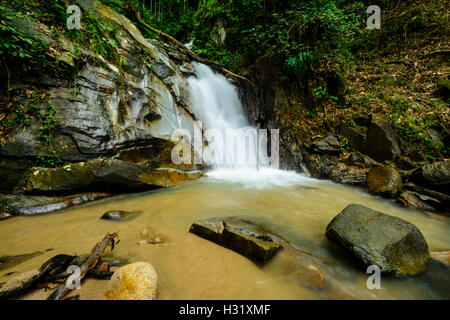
[(90, 262)]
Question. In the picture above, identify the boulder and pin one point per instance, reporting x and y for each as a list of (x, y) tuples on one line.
[(374, 238), (135, 281), (384, 180), (434, 175), (381, 141), (105, 175), (328, 145), (239, 235)]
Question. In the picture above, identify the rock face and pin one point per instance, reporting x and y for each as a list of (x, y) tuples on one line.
[(382, 142), (375, 238), (107, 108), (104, 174), (384, 180), (238, 235), (135, 281), (435, 175)]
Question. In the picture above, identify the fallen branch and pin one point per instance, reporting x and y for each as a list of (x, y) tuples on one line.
[(88, 264), (187, 51)]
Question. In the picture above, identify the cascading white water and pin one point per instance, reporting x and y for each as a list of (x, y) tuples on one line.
[(216, 103)]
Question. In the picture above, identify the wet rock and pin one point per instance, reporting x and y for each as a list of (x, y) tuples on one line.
[(414, 200), (375, 238), (120, 215), (105, 175), (382, 142), (136, 281), (349, 175), (443, 199), (312, 273), (327, 145), (24, 205), (434, 176), (239, 235), (442, 257), (384, 180), (151, 237)]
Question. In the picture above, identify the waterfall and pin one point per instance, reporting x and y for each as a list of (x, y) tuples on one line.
[(215, 101)]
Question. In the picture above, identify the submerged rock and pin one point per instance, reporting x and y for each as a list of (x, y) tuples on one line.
[(135, 281), (105, 174), (375, 238), (384, 180), (120, 215), (239, 235)]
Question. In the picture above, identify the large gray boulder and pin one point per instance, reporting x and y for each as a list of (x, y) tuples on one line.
[(374, 238)]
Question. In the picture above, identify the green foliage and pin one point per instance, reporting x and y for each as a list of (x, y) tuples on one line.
[(299, 35), (48, 161), (311, 114), (345, 144), (319, 92), (15, 42)]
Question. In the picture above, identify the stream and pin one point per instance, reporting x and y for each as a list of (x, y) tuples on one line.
[(189, 267)]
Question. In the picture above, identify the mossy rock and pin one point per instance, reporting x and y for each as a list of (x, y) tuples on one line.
[(384, 180)]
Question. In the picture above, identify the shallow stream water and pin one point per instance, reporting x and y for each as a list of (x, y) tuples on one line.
[(189, 267)]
